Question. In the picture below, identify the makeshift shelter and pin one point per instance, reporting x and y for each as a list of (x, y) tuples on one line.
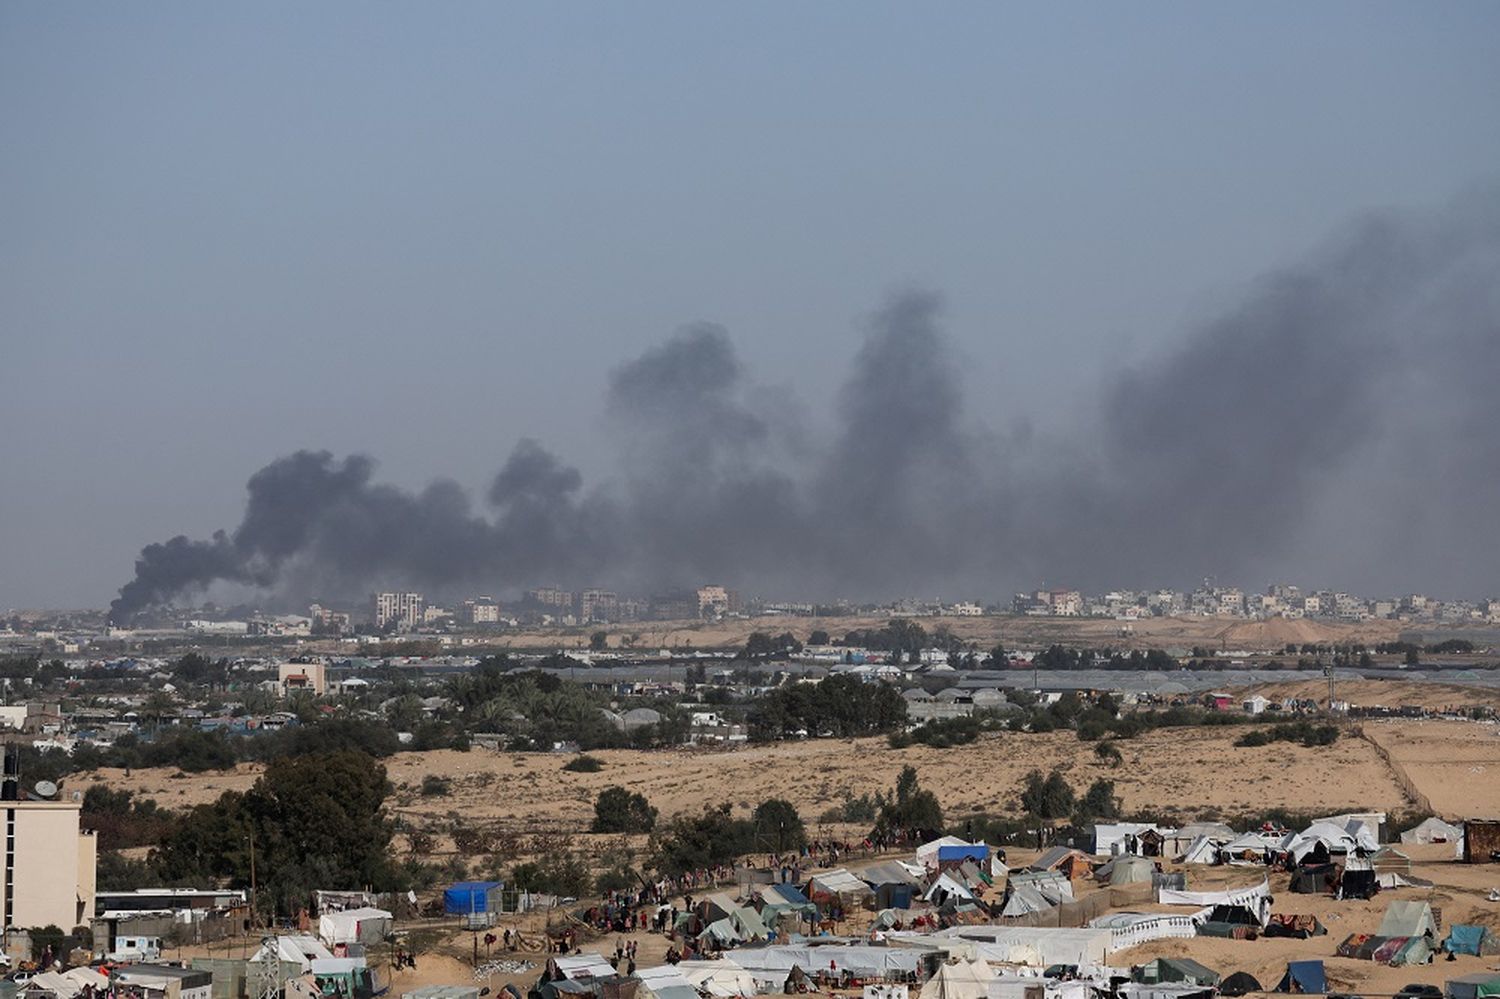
[(1432, 830), (927, 853), (1476, 986), (1468, 939), (472, 897), (1300, 926), (1177, 969), (365, 925), (1315, 879), (837, 885), (1303, 976), (1389, 860), (1072, 864), (1240, 983), (1323, 840), (1128, 870), (1408, 919), (895, 884), (959, 980)]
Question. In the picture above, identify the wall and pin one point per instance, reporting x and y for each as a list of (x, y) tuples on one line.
[(46, 871)]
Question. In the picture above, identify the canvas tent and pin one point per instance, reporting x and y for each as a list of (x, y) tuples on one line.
[(1128, 870), (721, 978), (1239, 984), (1177, 969), (1303, 976), (1408, 919), (1325, 839), (1432, 830), (837, 884), (959, 980), (365, 925)]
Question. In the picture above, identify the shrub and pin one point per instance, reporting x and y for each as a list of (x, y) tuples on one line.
[(584, 764), (617, 810), (436, 786)]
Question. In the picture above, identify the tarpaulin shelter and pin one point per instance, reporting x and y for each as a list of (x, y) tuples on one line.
[(1298, 925), (1303, 976), (1315, 879), (466, 897), (1177, 969), (1239, 984), (1468, 939), (1476, 986)]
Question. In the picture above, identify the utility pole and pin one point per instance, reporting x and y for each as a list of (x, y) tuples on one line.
[(253, 921)]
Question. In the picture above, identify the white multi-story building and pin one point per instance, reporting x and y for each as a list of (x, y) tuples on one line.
[(47, 867), (404, 609)]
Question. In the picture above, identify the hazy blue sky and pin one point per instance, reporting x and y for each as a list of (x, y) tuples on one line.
[(423, 231)]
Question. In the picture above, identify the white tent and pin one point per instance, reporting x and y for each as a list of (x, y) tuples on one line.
[(1335, 838), (959, 980), (362, 925), (722, 978), (1432, 830), (1407, 919), (299, 948), (927, 853)]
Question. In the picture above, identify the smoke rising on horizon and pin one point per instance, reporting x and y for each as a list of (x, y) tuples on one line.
[(1345, 412)]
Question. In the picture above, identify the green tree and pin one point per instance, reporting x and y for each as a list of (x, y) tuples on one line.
[(599, 641), (694, 842), (311, 820), (1047, 797), (617, 810), (910, 809), (1099, 802), (818, 637), (778, 826)]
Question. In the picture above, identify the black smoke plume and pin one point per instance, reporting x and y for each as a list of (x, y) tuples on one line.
[(1343, 420)]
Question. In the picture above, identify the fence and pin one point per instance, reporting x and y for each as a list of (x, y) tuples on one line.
[(1408, 788), (1146, 930)]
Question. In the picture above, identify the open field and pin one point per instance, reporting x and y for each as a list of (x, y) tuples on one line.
[(1184, 632), (1188, 771)]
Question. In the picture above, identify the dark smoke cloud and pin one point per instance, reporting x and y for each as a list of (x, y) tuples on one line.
[(1343, 418)]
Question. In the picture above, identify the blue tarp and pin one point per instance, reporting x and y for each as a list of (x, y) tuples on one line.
[(792, 894), (469, 896), (1463, 939), (974, 851), (1307, 976)]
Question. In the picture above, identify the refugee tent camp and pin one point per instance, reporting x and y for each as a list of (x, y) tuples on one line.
[(1303, 976), (1432, 830)]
